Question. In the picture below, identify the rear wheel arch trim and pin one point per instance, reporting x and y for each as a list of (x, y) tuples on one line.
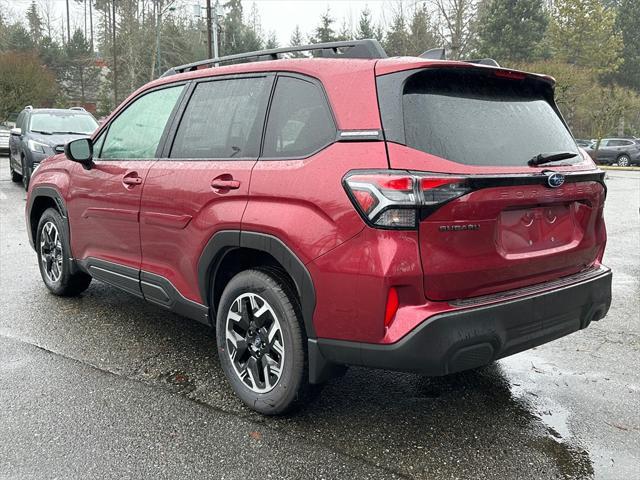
[(224, 241)]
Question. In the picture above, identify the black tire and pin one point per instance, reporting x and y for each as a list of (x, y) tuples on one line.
[(292, 387), (15, 176), (64, 283), (624, 161), (26, 174)]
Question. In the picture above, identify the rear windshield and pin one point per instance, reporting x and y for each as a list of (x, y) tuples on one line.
[(476, 119)]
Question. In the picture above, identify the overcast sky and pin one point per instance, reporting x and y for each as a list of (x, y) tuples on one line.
[(279, 16)]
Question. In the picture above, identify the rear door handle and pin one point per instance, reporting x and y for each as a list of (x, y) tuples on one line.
[(220, 184), (132, 178)]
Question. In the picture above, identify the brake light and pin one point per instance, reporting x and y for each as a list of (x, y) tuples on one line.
[(388, 199), (510, 74)]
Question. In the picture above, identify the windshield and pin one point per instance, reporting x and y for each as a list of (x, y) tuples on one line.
[(63, 122), (476, 119)]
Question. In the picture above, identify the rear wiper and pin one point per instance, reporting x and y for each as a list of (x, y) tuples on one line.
[(549, 157)]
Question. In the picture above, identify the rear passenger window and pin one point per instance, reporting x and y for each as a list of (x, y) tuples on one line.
[(224, 119), (300, 122)]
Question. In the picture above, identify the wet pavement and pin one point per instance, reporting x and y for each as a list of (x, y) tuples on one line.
[(107, 386)]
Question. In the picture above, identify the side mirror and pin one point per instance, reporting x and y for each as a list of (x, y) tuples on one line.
[(81, 151), (16, 131)]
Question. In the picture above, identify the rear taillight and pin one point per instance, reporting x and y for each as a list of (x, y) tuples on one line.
[(391, 199)]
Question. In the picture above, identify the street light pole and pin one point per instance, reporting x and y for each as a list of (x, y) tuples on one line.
[(215, 30), (115, 67), (68, 24)]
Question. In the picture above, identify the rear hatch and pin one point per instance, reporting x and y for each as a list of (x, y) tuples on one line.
[(492, 220)]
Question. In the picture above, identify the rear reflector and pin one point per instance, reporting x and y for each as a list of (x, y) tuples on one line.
[(392, 306)]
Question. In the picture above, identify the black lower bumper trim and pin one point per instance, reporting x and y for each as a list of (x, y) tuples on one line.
[(464, 339)]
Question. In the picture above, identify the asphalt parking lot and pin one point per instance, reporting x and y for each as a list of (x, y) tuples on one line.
[(107, 386)]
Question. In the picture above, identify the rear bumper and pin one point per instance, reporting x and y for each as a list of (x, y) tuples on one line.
[(471, 337)]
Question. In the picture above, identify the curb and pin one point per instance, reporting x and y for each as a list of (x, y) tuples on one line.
[(623, 169)]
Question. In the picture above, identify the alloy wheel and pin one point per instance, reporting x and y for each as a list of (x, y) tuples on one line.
[(254, 341), (51, 251), (623, 161)]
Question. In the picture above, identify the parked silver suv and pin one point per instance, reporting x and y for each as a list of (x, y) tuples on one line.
[(623, 151)]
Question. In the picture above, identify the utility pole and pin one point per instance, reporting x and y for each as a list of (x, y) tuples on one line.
[(91, 23), (158, 25), (209, 52), (115, 68), (68, 24)]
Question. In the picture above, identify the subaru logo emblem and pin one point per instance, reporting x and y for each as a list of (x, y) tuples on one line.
[(555, 180)]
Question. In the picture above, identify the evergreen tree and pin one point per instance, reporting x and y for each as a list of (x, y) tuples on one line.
[(296, 37), (232, 28), (512, 29), (35, 23), (324, 32), (238, 37), (51, 55), (397, 39), (18, 38), (345, 32), (422, 36), (272, 41), (628, 24), (582, 33), (366, 28), (295, 41), (80, 74)]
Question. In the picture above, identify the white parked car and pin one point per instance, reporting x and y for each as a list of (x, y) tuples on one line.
[(4, 140)]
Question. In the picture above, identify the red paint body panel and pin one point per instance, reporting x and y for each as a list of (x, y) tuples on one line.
[(527, 234), (180, 212), (104, 211), (352, 281), (303, 203)]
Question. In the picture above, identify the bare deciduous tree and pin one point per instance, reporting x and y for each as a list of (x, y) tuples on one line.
[(455, 25)]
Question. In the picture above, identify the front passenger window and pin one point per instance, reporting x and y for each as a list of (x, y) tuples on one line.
[(136, 132)]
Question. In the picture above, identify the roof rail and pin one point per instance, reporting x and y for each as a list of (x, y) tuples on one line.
[(78, 108), (368, 48), (440, 53)]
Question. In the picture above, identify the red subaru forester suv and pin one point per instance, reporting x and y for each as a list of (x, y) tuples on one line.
[(411, 214)]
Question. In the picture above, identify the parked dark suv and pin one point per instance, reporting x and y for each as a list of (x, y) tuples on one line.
[(42, 132), (346, 209)]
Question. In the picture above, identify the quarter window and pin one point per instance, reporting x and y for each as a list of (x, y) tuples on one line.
[(300, 122), (224, 119), (136, 132)]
